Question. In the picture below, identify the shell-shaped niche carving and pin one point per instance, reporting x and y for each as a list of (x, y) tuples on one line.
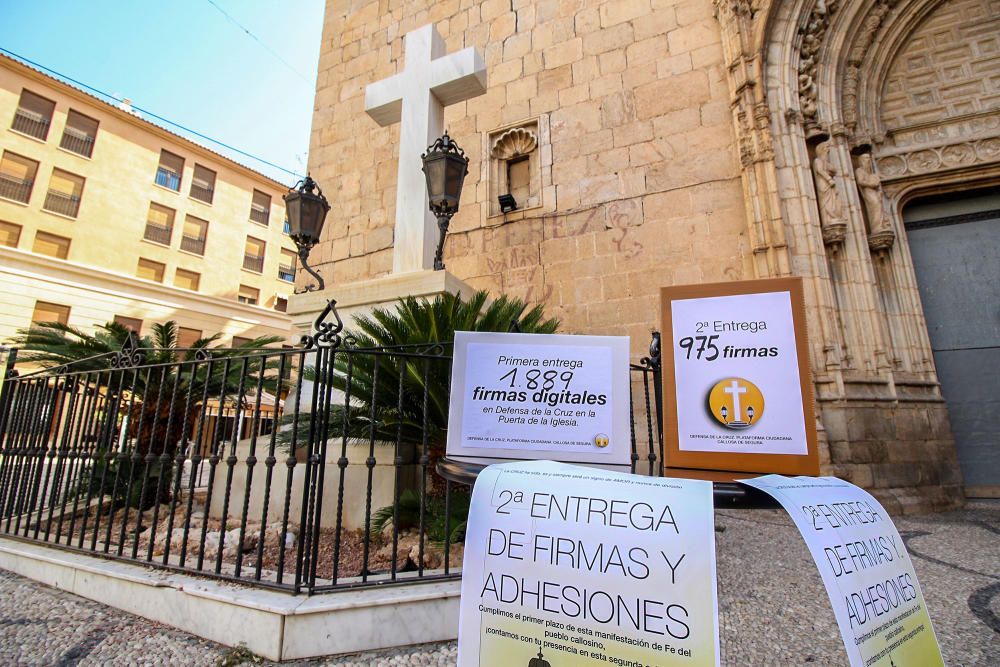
[(514, 143)]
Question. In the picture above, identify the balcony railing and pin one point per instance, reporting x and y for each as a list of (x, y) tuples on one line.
[(33, 124), (77, 142), (158, 233), (286, 273), (253, 263), (168, 179), (62, 203), (193, 244), (259, 215), (202, 193), (15, 188)]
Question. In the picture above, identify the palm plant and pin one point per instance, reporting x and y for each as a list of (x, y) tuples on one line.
[(388, 374), (160, 398)]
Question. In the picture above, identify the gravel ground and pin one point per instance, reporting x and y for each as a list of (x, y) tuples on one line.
[(769, 593)]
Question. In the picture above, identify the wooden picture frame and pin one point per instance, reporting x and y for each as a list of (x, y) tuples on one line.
[(718, 465)]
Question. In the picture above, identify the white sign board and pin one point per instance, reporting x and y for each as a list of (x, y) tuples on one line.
[(867, 571), (737, 387), (580, 566), (526, 396)]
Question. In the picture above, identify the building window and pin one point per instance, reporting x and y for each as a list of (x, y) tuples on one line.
[(195, 233), (168, 174), (187, 280), (186, 338), (159, 224), (17, 176), (133, 324), (249, 295), (203, 184), (10, 234), (33, 116), (253, 255), (65, 192), (260, 208), (50, 312), (281, 304), (150, 270), (286, 228), (51, 245), (80, 134), (286, 270), (239, 341)]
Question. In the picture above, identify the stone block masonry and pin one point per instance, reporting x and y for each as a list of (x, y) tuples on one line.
[(665, 160)]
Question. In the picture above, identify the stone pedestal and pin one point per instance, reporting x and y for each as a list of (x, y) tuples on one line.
[(364, 296)]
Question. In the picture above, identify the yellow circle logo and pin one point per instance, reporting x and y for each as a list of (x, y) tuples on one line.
[(736, 403), (601, 440)]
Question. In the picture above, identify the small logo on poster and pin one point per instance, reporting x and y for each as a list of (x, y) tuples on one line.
[(736, 403), (601, 440)]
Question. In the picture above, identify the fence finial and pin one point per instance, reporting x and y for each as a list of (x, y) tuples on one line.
[(325, 334), (131, 355)]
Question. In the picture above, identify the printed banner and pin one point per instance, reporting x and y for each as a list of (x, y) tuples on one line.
[(523, 396), (572, 566), (864, 564)]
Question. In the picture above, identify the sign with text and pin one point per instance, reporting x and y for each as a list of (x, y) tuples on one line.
[(864, 564), (580, 566), (527, 396), (737, 391)]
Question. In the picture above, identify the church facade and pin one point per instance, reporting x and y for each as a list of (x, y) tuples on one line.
[(647, 143)]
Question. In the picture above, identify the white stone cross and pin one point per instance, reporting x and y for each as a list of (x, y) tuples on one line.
[(416, 98), (735, 390)]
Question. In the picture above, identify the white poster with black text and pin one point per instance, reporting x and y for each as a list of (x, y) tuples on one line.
[(867, 571), (579, 567), (534, 396)]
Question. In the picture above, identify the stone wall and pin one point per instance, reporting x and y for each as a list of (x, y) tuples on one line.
[(644, 187), (676, 143)]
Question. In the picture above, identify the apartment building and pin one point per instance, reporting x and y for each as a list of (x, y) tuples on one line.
[(105, 216)]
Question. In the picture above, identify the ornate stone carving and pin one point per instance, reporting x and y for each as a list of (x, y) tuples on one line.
[(514, 143), (882, 240), (812, 41), (880, 233), (927, 160), (863, 41), (963, 129), (831, 206)]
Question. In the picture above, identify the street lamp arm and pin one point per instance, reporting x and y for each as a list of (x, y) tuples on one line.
[(303, 257)]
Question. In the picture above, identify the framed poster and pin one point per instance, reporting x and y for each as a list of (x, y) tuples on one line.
[(737, 393), (540, 396)]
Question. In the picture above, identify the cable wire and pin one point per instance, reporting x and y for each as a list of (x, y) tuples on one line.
[(103, 94), (263, 45)]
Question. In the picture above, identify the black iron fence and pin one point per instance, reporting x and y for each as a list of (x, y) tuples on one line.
[(309, 469)]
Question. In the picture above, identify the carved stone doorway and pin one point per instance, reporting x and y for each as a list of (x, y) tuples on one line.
[(954, 242)]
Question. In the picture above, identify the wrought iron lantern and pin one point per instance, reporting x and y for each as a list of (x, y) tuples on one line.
[(306, 212), (445, 167)]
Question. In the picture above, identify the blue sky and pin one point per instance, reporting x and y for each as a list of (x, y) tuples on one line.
[(185, 61)]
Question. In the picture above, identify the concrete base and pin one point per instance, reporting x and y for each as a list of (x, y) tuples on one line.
[(275, 625), (364, 296)]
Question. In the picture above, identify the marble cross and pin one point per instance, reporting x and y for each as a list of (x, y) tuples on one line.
[(416, 98)]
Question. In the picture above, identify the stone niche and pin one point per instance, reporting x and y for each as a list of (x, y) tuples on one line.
[(515, 164)]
